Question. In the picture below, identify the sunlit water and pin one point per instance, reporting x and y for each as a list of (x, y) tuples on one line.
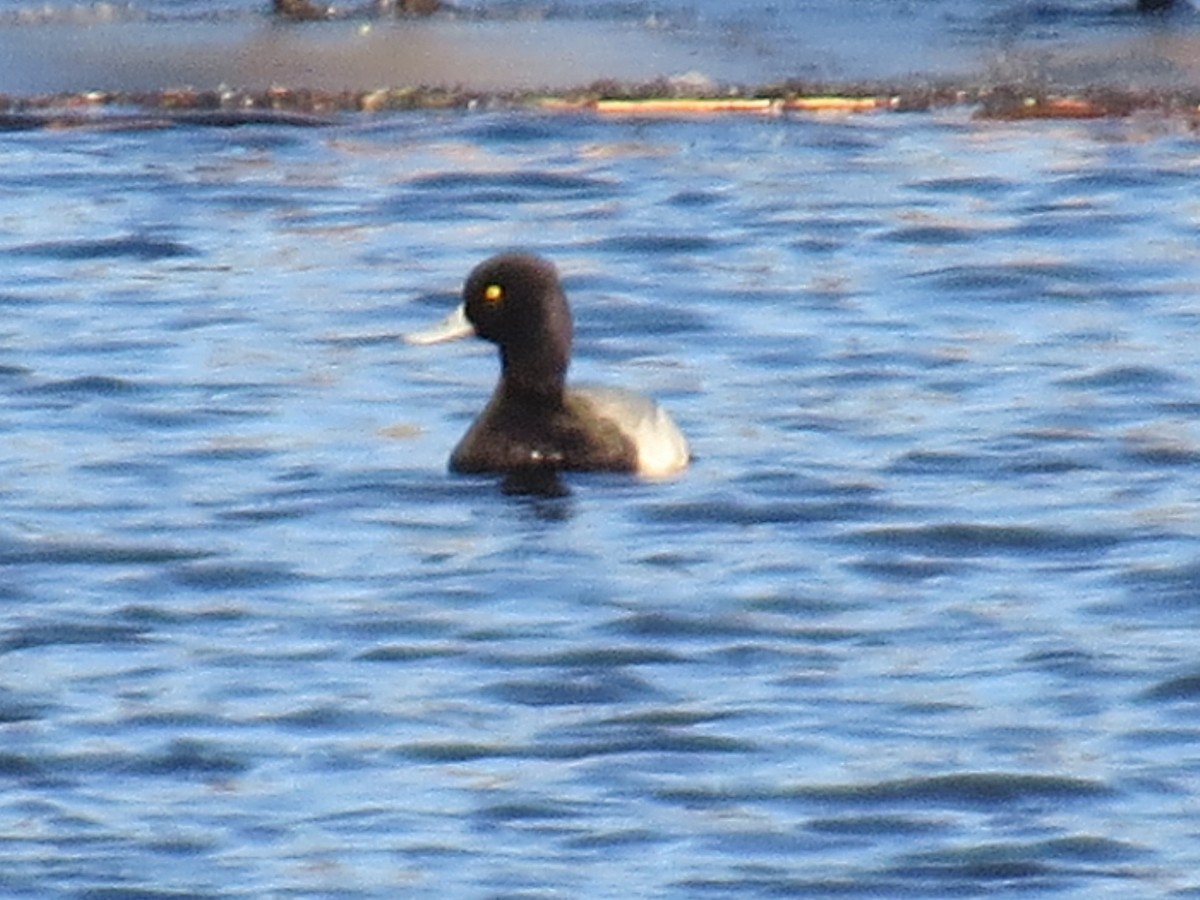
[(920, 621)]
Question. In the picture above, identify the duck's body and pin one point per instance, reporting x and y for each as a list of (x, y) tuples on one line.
[(595, 429), (534, 422)]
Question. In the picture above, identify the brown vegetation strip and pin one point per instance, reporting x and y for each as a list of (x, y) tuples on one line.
[(302, 107)]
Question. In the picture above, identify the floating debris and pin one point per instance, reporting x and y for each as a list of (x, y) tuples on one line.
[(690, 106), (1011, 104)]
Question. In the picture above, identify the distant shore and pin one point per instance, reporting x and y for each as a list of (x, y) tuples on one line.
[(227, 71)]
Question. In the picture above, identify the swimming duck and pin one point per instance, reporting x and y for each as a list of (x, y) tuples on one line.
[(534, 422)]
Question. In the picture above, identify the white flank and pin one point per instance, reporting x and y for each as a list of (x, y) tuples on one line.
[(661, 447)]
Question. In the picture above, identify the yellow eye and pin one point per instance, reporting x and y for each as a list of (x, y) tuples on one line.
[(493, 293)]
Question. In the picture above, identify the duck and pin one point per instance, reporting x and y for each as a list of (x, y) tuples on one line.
[(534, 421)]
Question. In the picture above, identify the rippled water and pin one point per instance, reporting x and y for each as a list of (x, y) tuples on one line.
[(921, 620)]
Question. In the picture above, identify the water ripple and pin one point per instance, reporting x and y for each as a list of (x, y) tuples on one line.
[(957, 539), (971, 790), (55, 634), (143, 249), (48, 552)]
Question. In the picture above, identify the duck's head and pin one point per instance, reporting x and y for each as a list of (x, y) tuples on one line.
[(516, 301)]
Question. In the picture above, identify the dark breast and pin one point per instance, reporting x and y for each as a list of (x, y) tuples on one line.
[(511, 437)]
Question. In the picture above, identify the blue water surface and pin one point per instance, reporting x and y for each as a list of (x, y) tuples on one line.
[(920, 621)]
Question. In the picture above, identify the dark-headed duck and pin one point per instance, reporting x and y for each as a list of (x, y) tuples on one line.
[(534, 422)]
